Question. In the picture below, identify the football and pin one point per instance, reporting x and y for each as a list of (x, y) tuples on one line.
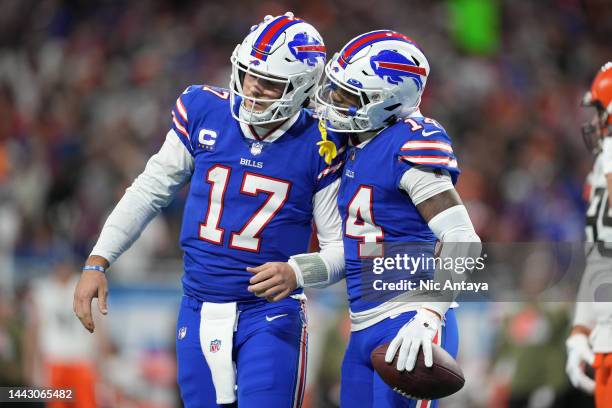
[(427, 383)]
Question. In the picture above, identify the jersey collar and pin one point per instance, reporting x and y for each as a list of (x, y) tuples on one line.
[(360, 140), (360, 143), (273, 134)]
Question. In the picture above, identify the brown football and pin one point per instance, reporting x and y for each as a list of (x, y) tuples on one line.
[(427, 383)]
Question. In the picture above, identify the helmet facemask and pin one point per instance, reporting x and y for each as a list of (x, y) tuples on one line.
[(342, 106), (278, 109), (599, 127), (373, 109)]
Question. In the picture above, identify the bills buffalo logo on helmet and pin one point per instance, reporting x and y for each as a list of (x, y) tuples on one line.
[(215, 345), (393, 67), (306, 49)]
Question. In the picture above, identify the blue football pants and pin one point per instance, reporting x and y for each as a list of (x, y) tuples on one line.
[(269, 352), (361, 386)]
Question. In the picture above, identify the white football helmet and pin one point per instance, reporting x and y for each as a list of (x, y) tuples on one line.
[(383, 71), (283, 50)]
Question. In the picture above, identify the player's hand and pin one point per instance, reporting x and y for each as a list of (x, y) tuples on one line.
[(92, 284), (579, 354), (418, 332), (272, 280)]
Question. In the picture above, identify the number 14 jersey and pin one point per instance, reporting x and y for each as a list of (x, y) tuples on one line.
[(374, 208)]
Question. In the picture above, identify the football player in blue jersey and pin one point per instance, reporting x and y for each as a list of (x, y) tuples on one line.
[(397, 188), (256, 184)]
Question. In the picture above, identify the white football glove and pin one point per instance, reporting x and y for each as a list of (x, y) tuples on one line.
[(418, 332), (578, 353)]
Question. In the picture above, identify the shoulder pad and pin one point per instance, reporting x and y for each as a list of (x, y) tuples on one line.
[(425, 142), (421, 128)]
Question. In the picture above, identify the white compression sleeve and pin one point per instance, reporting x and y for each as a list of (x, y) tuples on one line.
[(452, 226), (326, 267), (423, 182), (454, 229), (166, 172)]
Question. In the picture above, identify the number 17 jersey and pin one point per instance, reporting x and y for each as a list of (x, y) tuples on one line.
[(249, 202)]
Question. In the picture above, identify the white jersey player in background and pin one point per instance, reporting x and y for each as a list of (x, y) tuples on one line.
[(58, 353), (591, 338)]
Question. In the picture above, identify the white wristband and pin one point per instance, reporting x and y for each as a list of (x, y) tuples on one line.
[(299, 278)]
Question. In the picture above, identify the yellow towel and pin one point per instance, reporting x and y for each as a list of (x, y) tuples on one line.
[(327, 148)]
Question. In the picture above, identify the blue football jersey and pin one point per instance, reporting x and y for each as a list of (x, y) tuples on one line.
[(249, 202), (373, 207)]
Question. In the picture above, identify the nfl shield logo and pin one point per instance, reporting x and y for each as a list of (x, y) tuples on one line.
[(182, 332), (215, 345), (256, 148)]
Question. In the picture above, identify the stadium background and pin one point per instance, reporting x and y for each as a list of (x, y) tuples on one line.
[(86, 90)]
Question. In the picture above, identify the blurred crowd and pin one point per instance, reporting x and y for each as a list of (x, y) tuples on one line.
[(86, 89)]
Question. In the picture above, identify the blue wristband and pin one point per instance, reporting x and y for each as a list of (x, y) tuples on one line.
[(94, 268)]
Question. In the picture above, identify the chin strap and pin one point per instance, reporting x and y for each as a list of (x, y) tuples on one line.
[(327, 148)]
